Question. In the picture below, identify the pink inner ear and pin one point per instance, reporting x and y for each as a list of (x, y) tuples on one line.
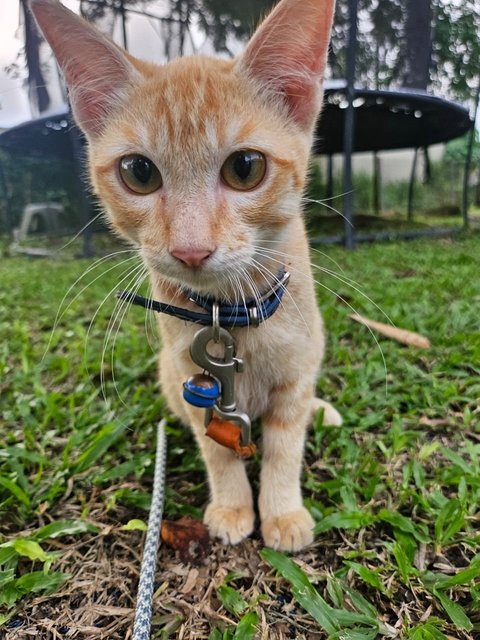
[(93, 91), (301, 97), (288, 54), (95, 69)]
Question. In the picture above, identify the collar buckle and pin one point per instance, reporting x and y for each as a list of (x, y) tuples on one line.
[(253, 316)]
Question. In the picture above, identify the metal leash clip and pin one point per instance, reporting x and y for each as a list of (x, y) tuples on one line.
[(215, 391)]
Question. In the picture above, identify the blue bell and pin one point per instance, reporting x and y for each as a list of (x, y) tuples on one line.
[(201, 390)]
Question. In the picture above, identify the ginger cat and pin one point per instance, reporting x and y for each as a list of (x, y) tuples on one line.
[(201, 163)]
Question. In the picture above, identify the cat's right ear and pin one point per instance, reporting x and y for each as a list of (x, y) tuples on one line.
[(95, 69)]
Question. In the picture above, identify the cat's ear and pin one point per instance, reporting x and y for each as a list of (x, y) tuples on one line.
[(288, 53), (95, 69)]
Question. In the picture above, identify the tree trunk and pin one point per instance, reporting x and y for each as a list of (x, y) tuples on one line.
[(38, 94), (477, 188), (418, 36)]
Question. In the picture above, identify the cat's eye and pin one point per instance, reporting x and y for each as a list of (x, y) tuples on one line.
[(140, 174), (244, 169)]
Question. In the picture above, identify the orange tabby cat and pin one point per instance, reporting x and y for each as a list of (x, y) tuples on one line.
[(201, 164)]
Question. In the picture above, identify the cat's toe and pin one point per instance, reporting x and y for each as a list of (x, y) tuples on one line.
[(289, 532), (229, 524), (331, 417)]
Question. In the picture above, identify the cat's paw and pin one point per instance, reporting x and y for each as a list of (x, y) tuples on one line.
[(331, 417), (230, 524), (289, 532)]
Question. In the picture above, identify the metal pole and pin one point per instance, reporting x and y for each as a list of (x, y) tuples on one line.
[(377, 181), (349, 129), (468, 161), (411, 185), (82, 185), (329, 193), (123, 15)]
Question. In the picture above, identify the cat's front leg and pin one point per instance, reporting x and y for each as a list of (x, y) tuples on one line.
[(229, 515), (285, 522)]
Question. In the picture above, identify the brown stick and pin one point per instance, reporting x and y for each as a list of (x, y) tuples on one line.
[(400, 335)]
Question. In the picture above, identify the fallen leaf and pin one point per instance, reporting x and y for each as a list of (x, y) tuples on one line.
[(434, 422), (187, 536), (400, 335), (190, 582)]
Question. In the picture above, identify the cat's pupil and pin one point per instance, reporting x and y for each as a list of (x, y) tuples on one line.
[(242, 165), (142, 169)]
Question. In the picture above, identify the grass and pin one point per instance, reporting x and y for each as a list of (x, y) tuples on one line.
[(395, 491)]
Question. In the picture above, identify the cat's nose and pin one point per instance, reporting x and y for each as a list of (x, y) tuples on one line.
[(191, 257)]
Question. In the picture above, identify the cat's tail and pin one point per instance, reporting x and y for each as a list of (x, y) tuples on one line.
[(331, 417)]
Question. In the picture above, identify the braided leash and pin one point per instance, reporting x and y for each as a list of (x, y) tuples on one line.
[(143, 611)]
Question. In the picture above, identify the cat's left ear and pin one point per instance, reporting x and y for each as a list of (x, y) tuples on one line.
[(288, 52)]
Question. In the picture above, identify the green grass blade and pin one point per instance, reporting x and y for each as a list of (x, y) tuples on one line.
[(450, 521), (463, 577), (303, 590), (367, 575), (63, 528), (231, 599), (15, 490), (397, 521), (6, 577), (344, 520), (454, 611), (30, 549), (107, 436), (426, 631), (247, 627), (355, 634), (40, 581), (7, 553)]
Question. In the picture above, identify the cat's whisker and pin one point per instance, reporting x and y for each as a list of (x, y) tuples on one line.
[(349, 282), (106, 338), (99, 307), (60, 313), (120, 316), (117, 310), (324, 286), (321, 202), (256, 294), (263, 269), (94, 219), (244, 279), (282, 242), (335, 197), (150, 325), (235, 285)]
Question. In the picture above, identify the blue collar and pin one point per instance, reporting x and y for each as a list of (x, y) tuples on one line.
[(249, 312)]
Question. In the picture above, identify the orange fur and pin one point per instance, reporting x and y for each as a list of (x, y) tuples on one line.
[(188, 117)]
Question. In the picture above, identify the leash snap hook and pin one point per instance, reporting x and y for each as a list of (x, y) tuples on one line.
[(216, 321), (223, 368)]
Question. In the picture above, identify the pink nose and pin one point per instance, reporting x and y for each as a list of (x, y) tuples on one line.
[(191, 257)]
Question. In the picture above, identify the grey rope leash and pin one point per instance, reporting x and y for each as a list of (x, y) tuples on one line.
[(143, 611)]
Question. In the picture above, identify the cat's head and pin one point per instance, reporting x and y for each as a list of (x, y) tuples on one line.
[(200, 161)]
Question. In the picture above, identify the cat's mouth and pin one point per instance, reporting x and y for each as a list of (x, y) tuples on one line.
[(225, 275), (213, 276)]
